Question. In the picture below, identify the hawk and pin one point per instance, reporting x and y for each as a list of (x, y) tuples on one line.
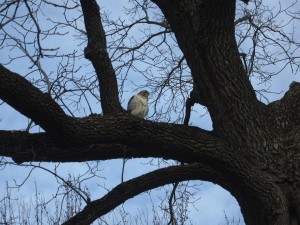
[(138, 104)]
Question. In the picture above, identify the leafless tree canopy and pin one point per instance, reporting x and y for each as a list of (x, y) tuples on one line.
[(69, 65)]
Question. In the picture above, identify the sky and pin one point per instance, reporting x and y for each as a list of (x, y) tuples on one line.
[(213, 202)]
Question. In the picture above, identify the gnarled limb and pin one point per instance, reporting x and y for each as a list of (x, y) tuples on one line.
[(131, 188), (107, 141), (259, 198), (31, 102), (96, 52), (210, 49)]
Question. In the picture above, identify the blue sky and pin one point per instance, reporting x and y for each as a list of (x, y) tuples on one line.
[(213, 200)]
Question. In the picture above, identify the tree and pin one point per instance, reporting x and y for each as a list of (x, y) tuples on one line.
[(253, 149)]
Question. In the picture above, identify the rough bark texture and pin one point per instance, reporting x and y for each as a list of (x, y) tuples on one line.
[(253, 151), (96, 52), (136, 186)]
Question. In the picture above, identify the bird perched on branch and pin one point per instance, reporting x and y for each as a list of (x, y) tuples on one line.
[(138, 104)]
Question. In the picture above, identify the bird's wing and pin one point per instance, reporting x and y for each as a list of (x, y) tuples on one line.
[(129, 105), (133, 103)]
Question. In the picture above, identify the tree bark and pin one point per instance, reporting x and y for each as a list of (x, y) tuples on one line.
[(96, 52), (205, 32)]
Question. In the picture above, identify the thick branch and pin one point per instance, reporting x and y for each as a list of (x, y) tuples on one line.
[(205, 33), (31, 102), (131, 188), (24, 147), (114, 137), (96, 52), (266, 199)]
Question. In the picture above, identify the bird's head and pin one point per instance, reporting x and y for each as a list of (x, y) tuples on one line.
[(144, 93)]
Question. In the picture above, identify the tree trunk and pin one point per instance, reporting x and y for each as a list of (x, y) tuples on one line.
[(267, 136)]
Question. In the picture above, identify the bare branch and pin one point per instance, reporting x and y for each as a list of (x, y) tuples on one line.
[(96, 52), (37, 28), (14, 14), (30, 101), (131, 188), (170, 202)]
